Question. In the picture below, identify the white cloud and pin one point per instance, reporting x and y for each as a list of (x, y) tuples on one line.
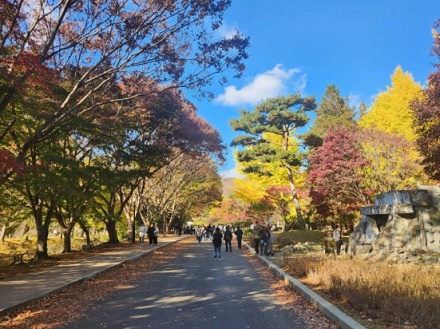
[(273, 83), (226, 31), (231, 173)]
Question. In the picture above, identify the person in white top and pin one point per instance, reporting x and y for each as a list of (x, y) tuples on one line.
[(142, 232)]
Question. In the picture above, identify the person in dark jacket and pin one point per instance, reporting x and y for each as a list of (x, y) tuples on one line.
[(228, 239), (217, 242), (150, 233), (264, 241), (239, 234)]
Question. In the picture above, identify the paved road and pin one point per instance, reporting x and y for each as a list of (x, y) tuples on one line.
[(194, 291)]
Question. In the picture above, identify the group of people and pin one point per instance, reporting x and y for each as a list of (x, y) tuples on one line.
[(264, 239), (202, 232), (152, 233), (225, 235)]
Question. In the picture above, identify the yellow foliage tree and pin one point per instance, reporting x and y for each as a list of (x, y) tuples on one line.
[(394, 163), (252, 187), (247, 190), (391, 110)]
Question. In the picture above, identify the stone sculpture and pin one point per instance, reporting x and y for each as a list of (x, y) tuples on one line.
[(401, 225)]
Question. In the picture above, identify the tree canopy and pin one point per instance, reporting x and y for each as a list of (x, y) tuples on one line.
[(333, 111), (427, 115), (91, 102), (391, 111), (280, 116), (336, 175)]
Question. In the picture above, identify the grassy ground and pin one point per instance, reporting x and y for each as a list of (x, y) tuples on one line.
[(54, 246), (28, 246), (303, 237), (379, 295)]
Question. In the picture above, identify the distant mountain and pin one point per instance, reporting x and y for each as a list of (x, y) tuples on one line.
[(227, 182)]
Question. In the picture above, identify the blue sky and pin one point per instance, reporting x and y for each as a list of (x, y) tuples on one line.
[(303, 46)]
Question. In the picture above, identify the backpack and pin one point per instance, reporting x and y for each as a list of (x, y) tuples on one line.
[(228, 235), (217, 239)]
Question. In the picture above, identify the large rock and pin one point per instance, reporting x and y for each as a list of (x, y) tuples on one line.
[(405, 221)]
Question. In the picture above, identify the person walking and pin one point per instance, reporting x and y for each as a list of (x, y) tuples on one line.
[(337, 237), (199, 233), (155, 235), (142, 232), (209, 231), (256, 232), (264, 240), (239, 234), (150, 234), (217, 242), (272, 240), (228, 239)]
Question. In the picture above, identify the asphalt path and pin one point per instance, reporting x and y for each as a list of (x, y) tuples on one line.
[(194, 291)]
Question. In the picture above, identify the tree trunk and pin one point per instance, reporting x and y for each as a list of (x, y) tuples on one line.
[(41, 251), (67, 243), (86, 231), (164, 225), (111, 229), (131, 230), (3, 233), (66, 231), (26, 229), (295, 199), (42, 230)]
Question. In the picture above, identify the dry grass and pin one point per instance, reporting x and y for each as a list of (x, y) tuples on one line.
[(407, 294), (54, 245)]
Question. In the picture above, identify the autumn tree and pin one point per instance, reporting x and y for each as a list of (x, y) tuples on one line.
[(394, 163), (247, 189), (161, 128), (333, 111), (390, 165), (185, 188), (89, 47), (280, 116), (77, 184), (336, 175), (228, 211), (280, 199), (390, 111), (427, 116), (66, 61)]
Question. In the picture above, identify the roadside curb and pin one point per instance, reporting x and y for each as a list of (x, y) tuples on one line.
[(333, 313)]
